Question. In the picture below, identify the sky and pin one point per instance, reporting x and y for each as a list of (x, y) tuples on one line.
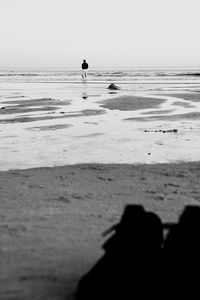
[(107, 33)]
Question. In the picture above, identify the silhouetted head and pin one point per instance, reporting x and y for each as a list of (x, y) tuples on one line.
[(84, 60), (132, 216), (127, 231), (140, 226), (137, 231), (185, 235)]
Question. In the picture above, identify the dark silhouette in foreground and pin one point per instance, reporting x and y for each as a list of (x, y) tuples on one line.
[(181, 254), (139, 262)]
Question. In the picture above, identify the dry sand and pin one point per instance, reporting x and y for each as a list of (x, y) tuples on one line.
[(52, 218)]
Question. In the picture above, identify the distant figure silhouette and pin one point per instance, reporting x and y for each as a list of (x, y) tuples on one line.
[(84, 70), (130, 268)]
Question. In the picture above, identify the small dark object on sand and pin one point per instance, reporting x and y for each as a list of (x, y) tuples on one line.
[(113, 86), (171, 130), (163, 131)]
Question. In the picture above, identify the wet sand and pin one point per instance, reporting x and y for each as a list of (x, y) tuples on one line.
[(31, 108), (121, 128), (175, 117), (188, 96), (129, 103), (52, 219)]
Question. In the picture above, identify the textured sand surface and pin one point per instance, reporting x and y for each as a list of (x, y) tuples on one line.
[(51, 219), (128, 103)]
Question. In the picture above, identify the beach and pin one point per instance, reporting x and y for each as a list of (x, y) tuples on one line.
[(73, 156), (52, 219)]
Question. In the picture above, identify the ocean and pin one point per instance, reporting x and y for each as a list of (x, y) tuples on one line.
[(128, 76)]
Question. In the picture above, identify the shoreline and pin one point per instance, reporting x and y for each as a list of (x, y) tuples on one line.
[(52, 219), (96, 164)]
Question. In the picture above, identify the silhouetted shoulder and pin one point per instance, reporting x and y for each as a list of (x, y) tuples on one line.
[(85, 66)]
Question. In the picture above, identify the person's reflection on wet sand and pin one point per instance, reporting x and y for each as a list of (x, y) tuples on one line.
[(84, 92), (84, 95)]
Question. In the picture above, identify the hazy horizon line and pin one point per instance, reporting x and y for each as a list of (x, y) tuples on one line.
[(97, 67)]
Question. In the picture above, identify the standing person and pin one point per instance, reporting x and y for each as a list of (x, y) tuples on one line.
[(84, 70)]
